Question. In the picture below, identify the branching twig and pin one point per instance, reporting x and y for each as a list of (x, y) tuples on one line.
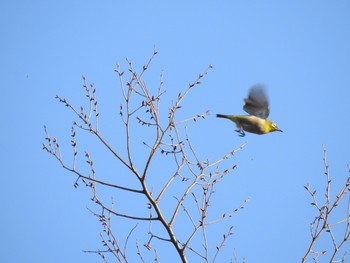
[(197, 177), (322, 222)]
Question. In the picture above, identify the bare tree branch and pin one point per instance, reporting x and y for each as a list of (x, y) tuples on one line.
[(140, 107), (322, 222)]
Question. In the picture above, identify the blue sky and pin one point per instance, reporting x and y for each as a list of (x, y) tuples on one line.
[(299, 50)]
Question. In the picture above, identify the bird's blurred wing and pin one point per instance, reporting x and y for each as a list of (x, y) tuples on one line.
[(257, 103)]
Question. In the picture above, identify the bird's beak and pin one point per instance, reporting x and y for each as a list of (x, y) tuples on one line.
[(279, 130)]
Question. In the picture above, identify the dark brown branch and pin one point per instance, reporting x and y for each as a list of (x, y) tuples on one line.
[(321, 224), (203, 175)]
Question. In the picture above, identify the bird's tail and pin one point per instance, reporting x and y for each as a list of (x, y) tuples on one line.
[(233, 118), (221, 116)]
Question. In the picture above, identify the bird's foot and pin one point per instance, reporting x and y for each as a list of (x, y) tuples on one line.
[(240, 133)]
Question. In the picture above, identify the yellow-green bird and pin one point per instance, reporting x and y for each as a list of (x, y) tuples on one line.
[(257, 105)]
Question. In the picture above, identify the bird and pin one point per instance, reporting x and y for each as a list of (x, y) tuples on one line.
[(257, 106)]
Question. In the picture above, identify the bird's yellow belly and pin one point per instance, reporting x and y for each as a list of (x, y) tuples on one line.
[(251, 124)]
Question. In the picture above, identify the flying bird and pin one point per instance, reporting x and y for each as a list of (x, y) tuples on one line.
[(257, 106)]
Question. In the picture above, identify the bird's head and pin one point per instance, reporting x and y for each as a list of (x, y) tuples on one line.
[(273, 127)]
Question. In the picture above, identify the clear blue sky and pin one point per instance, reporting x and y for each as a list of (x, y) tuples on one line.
[(299, 50)]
